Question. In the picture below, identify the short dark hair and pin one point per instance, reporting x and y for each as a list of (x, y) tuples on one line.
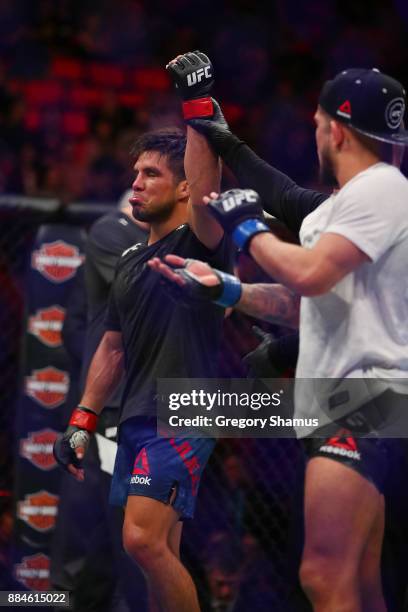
[(169, 142)]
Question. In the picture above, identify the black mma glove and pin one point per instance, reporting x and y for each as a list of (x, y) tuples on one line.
[(225, 293), (192, 75), (259, 361), (273, 356), (196, 66), (240, 214), (81, 425)]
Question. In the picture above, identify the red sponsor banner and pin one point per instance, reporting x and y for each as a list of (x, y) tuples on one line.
[(37, 448), (34, 572), (48, 387), (46, 325), (39, 510), (57, 261)]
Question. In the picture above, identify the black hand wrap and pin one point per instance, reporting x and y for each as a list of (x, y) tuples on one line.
[(192, 75), (259, 360), (225, 293), (82, 423), (273, 356)]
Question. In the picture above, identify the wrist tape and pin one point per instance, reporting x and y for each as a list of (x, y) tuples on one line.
[(84, 418), (231, 290), (200, 107), (245, 231)]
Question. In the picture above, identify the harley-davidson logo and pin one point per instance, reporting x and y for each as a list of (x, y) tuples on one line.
[(34, 572), (39, 510), (57, 261), (48, 387), (37, 448), (46, 325)]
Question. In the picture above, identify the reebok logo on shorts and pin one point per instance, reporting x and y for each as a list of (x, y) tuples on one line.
[(141, 469), (344, 446)]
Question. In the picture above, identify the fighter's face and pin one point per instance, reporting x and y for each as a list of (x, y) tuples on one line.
[(324, 149), (154, 188)]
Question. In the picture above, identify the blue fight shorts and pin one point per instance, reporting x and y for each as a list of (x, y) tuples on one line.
[(160, 468)]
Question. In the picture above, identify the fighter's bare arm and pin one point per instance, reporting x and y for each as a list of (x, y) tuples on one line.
[(203, 173), (105, 372), (270, 302), (201, 164), (309, 272)]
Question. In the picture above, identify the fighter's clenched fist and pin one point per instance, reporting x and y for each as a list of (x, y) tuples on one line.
[(240, 213), (193, 77), (70, 448)]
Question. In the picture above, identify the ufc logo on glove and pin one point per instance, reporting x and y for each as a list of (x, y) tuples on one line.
[(197, 76), (236, 200)]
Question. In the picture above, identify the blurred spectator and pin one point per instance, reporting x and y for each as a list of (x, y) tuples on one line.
[(223, 566), (281, 53), (237, 581)]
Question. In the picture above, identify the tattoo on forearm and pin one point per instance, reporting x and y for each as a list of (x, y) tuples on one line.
[(271, 302)]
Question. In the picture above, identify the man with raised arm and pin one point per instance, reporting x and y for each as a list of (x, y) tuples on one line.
[(350, 275), (156, 479)]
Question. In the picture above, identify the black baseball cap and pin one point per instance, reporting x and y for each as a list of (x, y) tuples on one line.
[(368, 101)]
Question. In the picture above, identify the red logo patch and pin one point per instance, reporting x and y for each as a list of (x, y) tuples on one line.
[(141, 465), (48, 387), (34, 572), (37, 448), (46, 325), (39, 510), (57, 261), (347, 442), (345, 109)]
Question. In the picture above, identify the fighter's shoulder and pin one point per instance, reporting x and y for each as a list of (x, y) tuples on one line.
[(113, 233), (376, 187), (184, 239), (105, 223), (318, 213)]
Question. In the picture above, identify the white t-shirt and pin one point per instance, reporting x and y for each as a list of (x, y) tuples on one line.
[(359, 329)]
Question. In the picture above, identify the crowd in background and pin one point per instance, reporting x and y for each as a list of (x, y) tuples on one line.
[(78, 81)]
